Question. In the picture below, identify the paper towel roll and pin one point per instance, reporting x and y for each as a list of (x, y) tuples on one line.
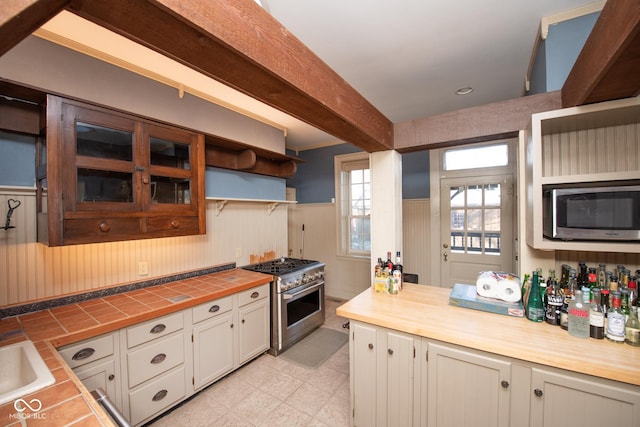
[(499, 285)]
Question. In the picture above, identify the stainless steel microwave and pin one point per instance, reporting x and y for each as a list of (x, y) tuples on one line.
[(592, 213)]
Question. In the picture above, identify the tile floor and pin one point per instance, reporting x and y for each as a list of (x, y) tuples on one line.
[(270, 391)]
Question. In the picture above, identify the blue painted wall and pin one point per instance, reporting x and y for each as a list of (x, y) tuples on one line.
[(18, 160), (559, 52), (314, 180), (223, 183)]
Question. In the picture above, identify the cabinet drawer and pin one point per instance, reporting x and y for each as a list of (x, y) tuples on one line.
[(253, 294), (155, 358), (212, 309), (156, 396), (87, 351), (172, 224), (154, 328), (99, 229)]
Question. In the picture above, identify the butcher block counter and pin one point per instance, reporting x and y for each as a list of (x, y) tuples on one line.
[(67, 401), (425, 311)]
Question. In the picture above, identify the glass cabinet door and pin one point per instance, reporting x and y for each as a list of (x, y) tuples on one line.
[(170, 166)]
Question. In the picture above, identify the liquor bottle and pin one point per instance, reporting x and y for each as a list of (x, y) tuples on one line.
[(554, 298), (526, 284), (602, 276), (633, 291), (632, 328), (389, 264), (592, 278), (578, 324), (596, 316), (380, 283), (583, 278), (615, 320), (613, 283), (534, 310), (624, 302), (604, 302), (568, 297), (398, 267)]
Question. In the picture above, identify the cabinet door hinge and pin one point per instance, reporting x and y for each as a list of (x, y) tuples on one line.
[(414, 351), (191, 337), (426, 355), (193, 380)]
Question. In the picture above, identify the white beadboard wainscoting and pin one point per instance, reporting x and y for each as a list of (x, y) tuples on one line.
[(30, 270), (347, 277)]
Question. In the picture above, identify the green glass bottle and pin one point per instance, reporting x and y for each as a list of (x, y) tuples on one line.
[(535, 309)]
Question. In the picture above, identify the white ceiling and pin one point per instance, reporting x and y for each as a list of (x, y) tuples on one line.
[(407, 57)]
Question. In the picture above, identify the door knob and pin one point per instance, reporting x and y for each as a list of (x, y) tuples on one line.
[(445, 245)]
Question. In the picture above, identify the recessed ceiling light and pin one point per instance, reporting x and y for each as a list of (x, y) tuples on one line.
[(464, 90)]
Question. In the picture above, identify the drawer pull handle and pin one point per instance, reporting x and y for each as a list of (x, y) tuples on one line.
[(214, 308), (158, 358), (158, 328), (159, 395), (504, 384), (538, 392), (104, 227), (255, 294), (85, 353), (390, 351), (370, 346), (175, 223)]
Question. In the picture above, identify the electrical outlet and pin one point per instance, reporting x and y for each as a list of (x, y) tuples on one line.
[(143, 268), (238, 252)]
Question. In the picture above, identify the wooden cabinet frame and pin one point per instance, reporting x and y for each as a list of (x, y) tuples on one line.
[(65, 220)]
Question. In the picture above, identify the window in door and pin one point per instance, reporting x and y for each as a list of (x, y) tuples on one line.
[(475, 218)]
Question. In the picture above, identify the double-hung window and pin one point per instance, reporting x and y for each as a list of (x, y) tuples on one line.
[(353, 193)]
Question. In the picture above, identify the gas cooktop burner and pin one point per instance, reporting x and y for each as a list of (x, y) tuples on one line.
[(280, 265)]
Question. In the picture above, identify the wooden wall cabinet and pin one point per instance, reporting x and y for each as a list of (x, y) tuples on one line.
[(110, 176), (577, 146)]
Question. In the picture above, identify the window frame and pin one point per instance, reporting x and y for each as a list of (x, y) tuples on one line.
[(343, 165)]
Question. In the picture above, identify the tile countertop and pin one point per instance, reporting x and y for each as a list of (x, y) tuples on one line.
[(425, 311), (67, 401)]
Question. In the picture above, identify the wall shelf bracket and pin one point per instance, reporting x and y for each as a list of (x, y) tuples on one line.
[(271, 207), (220, 206)]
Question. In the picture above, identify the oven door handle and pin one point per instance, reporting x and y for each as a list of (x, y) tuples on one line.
[(286, 296)]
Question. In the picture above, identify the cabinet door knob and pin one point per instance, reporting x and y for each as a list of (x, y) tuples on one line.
[(504, 384), (145, 180), (158, 328), (370, 346), (538, 392), (159, 395), (214, 308), (111, 377), (242, 320), (255, 294), (158, 358), (83, 354), (390, 351), (104, 227), (175, 223)]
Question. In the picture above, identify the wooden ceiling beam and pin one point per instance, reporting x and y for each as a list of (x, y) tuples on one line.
[(608, 66), (20, 18), (239, 44)]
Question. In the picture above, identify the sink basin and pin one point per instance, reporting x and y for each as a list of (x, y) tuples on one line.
[(22, 371)]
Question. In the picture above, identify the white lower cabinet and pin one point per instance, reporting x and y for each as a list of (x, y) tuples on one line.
[(453, 386), (253, 327), (213, 341), (149, 367), (96, 363), (466, 388), (154, 355), (572, 400), (385, 386)]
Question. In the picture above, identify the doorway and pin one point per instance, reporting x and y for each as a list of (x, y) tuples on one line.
[(474, 227)]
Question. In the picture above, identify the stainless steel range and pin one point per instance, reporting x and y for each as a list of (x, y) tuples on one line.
[(297, 299)]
